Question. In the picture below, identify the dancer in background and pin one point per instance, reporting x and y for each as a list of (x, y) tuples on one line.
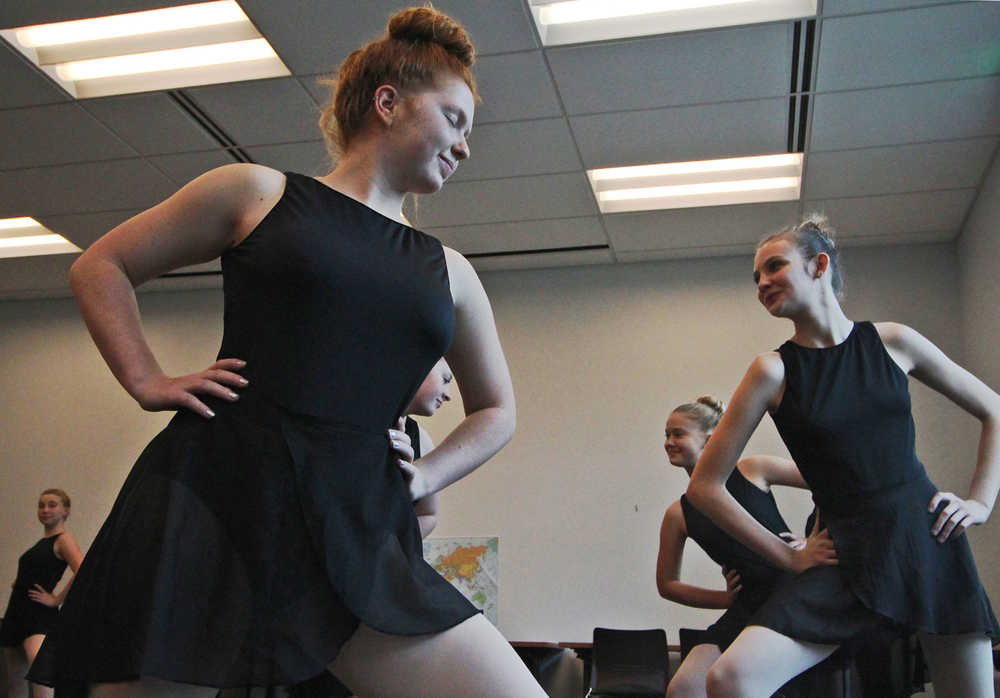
[(413, 442), (33, 609), (838, 393), (749, 578), (267, 533)]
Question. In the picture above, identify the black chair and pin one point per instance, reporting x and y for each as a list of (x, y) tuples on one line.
[(629, 663), (691, 638)]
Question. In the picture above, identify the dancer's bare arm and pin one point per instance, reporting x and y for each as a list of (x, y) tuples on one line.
[(759, 391), (197, 224), (477, 360), (673, 535), (919, 357)]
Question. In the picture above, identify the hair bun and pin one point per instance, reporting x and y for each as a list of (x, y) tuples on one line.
[(427, 24), (821, 223), (713, 403)]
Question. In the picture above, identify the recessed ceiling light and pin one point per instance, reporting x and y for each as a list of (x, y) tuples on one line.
[(575, 21), (151, 50), (698, 183), (26, 237)]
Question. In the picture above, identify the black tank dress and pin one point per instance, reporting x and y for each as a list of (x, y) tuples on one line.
[(757, 576), (24, 617), (243, 550), (845, 418)]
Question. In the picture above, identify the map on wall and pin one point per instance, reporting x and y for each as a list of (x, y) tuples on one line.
[(470, 564)]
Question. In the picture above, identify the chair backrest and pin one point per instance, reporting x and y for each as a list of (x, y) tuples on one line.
[(629, 662), (691, 638)]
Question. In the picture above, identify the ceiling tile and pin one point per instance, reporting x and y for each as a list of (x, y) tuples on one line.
[(688, 228), (683, 133), (515, 86), (898, 169), (881, 216), (309, 158), (744, 249), (336, 29), (84, 228), (152, 123), (845, 7), (21, 14), (574, 258), (83, 188), (55, 134), (260, 112), (519, 148), (715, 66), (23, 84), (907, 114), (524, 235), (920, 45), (183, 167), (500, 200)]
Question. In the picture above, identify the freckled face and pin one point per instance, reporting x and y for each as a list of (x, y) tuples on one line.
[(433, 392), (782, 278), (684, 441), (51, 511), (428, 139)]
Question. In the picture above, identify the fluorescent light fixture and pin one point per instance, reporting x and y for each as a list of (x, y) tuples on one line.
[(26, 237), (698, 183), (575, 21), (116, 26), (162, 49)]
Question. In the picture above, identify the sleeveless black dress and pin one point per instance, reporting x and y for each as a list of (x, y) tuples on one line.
[(845, 418), (24, 617), (244, 550), (757, 575)]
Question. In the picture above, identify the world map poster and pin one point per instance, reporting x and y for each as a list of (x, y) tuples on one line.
[(470, 564)]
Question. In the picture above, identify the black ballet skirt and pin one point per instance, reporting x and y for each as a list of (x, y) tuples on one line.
[(757, 576), (326, 685), (244, 550), (24, 617), (845, 418)]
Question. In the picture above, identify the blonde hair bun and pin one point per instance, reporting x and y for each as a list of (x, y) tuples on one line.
[(713, 403), (428, 25)]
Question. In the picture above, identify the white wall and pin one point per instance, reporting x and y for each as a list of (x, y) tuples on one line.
[(599, 355)]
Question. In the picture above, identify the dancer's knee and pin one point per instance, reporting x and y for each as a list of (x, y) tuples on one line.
[(723, 681), (686, 686)]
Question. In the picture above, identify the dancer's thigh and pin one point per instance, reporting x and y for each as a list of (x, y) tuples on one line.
[(961, 665), (470, 659), (151, 688), (689, 680), (760, 661)]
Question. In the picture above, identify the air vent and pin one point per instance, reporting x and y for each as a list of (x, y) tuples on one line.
[(803, 45)]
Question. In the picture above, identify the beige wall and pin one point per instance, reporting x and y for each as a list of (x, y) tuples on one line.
[(978, 250), (598, 354)]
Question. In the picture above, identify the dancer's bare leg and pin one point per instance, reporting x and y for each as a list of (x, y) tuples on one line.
[(689, 681), (11, 658), (150, 688), (961, 665), (760, 661), (31, 645), (470, 659)]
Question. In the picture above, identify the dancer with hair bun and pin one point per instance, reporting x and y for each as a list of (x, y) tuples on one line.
[(749, 578), (898, 559), (268, 531), (33, 609)]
